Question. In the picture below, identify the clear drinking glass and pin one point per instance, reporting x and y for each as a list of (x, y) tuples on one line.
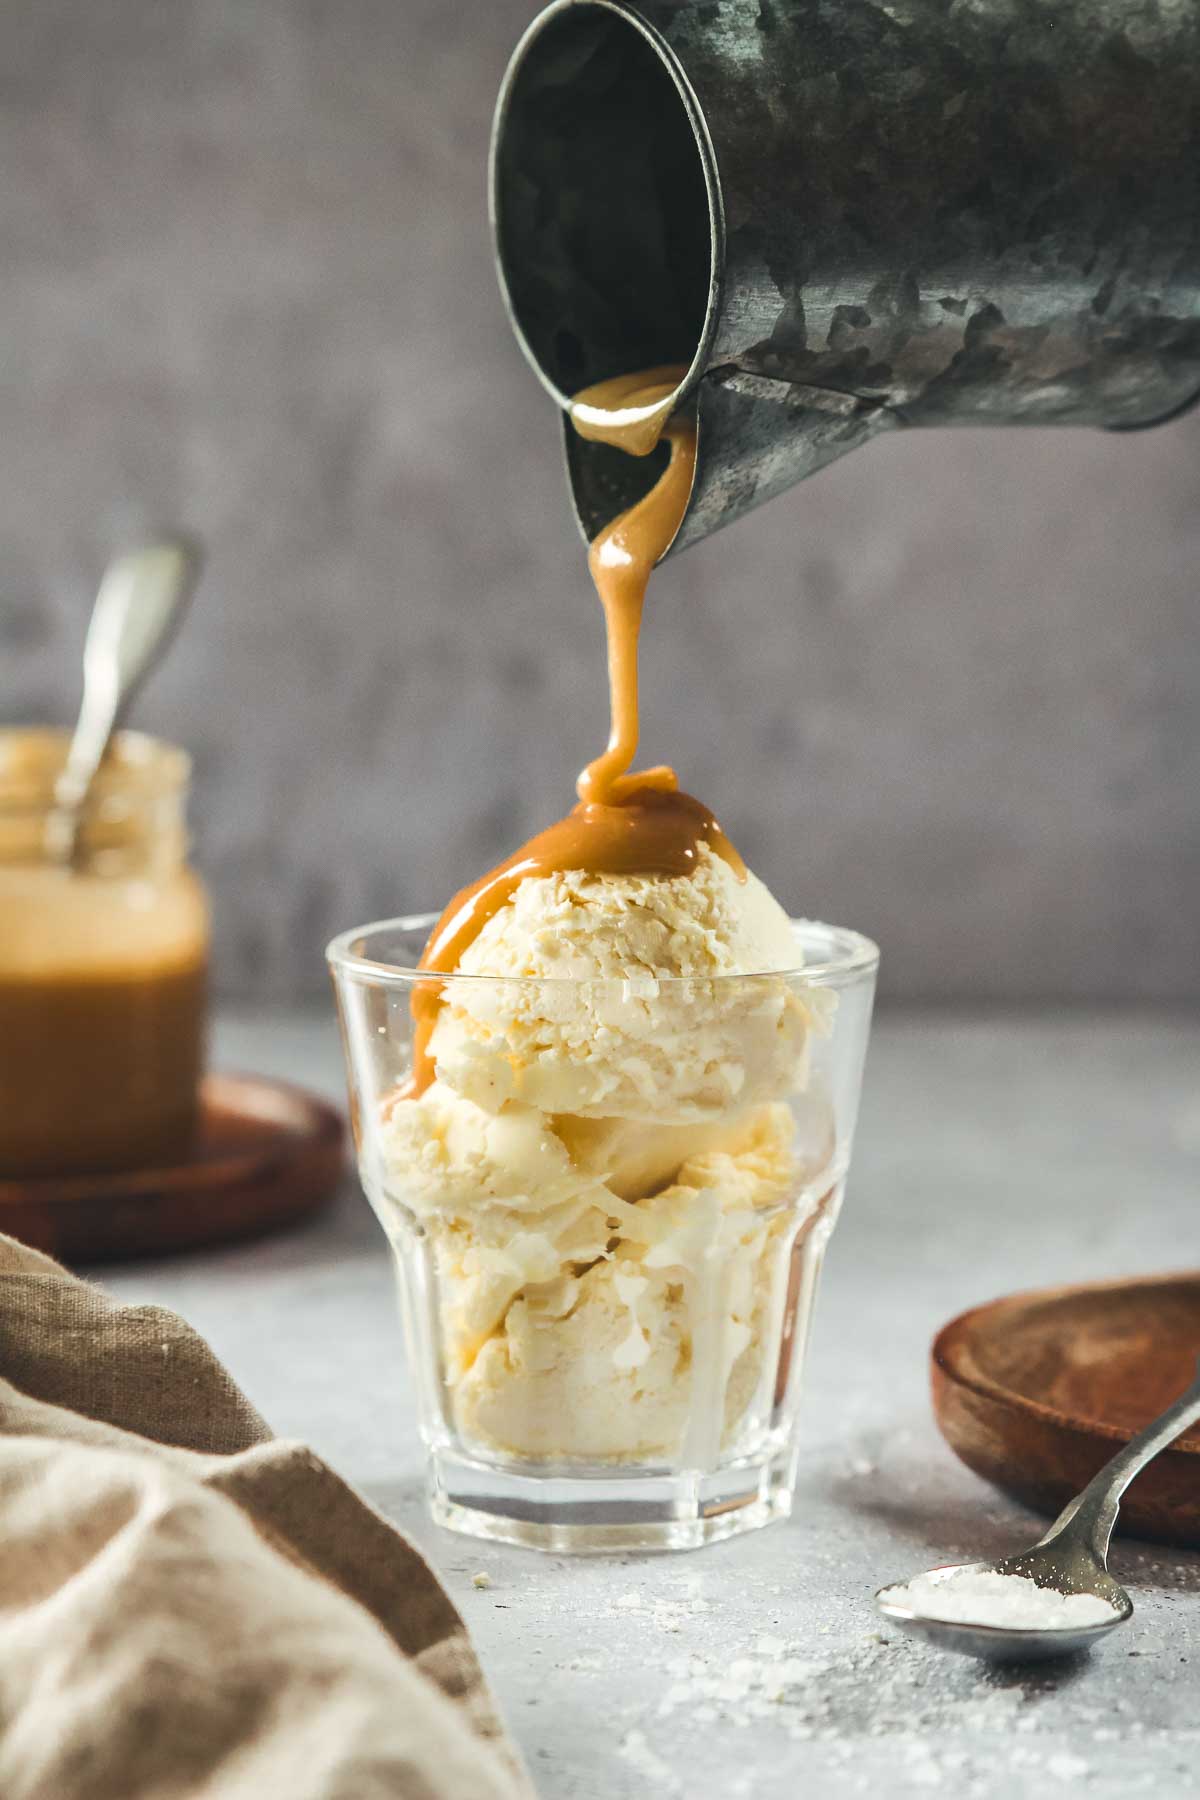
[(608, 1214)]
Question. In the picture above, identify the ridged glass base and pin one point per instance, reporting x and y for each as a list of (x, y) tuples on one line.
[(590, 1514)]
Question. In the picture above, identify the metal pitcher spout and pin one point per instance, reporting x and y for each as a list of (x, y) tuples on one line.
[(846, 219)]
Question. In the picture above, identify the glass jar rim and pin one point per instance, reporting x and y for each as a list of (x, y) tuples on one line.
[(137, 763), (853, 956)]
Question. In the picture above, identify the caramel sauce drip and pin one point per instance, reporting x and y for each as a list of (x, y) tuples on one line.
[(626, 823), (629, 412)]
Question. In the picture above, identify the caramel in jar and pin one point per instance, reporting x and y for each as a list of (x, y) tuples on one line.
[(102, 967)]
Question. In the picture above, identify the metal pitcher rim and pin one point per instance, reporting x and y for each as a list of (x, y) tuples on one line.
[(637, 21)]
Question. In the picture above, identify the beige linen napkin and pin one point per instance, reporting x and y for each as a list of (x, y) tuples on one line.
[(191, 1607)]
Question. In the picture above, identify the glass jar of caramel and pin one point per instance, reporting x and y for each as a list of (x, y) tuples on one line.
[(102, 964)]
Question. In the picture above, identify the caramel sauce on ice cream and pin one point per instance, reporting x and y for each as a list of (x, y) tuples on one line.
[(627, 822)]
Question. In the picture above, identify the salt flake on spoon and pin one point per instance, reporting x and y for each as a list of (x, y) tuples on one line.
[(1054, 1599)]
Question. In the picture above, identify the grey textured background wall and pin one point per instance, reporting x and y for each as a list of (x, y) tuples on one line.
[(947, 692)]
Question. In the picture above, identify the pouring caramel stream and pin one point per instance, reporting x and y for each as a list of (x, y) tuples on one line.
[(626, 822), (621, 559)]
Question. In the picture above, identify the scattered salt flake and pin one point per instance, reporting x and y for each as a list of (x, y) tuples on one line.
[(788, 1672), (925, 1774), (805, 1693), (1065, 1767), (636, 1751)]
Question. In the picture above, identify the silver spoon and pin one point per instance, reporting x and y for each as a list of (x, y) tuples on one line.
[(1072, 1558), (140, 601)]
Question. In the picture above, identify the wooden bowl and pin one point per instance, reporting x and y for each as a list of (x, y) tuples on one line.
[(266, 1154), (1035, 1392)]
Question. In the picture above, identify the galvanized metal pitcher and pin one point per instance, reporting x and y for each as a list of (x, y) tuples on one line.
[(848, 216)]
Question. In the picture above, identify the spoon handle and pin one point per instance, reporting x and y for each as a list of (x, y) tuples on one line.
[(139, 603), (1090, 1517)]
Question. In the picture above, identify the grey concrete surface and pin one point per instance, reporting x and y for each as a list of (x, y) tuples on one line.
[(946, 693), (994, 1154)]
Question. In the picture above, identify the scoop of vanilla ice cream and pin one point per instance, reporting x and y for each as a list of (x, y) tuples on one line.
[(459, 1160), (641, 1023), (501, 1199), (561, 1379)]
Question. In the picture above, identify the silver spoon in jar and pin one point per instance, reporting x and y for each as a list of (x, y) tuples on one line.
[(140, 602), (1065, 1573)]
